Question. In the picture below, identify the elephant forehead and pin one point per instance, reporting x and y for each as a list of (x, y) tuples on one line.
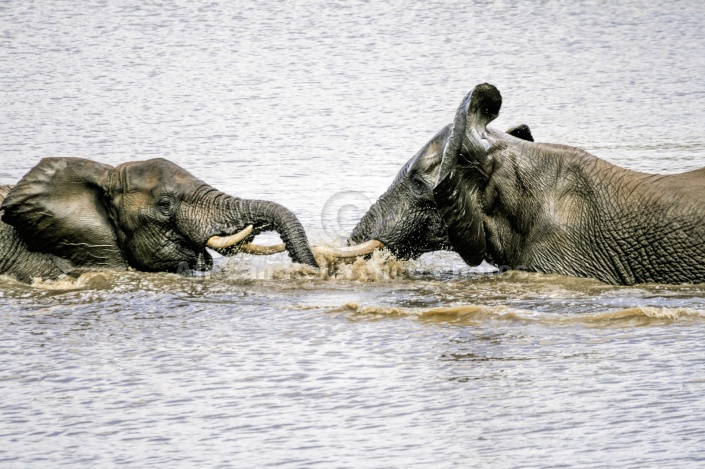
[(427, 160), (135, 199), (157, 175)]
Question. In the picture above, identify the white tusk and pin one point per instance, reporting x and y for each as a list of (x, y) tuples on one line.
[(218, 242), (259, 250), (352, 251)]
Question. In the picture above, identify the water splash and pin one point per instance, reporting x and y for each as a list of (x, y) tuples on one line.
[(380, 266)]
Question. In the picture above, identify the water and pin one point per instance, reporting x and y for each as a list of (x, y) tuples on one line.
[(375, 364)]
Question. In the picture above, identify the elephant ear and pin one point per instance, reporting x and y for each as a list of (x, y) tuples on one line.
[(466, 163), (58, 208), (467, 143)]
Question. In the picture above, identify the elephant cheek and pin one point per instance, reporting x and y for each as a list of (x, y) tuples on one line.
[(468, 240), (152, 252), (460, 210)]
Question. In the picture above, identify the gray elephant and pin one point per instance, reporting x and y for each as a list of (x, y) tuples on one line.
[(71, 214), (406, 219), (558, 209)]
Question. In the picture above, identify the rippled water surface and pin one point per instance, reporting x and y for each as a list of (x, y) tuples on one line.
[(379, 363)]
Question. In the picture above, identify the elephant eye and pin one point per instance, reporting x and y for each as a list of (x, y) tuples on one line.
[(166, 205), (418, 185)]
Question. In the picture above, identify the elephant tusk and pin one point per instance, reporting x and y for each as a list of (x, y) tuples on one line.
[(222, 242), (352, 251), (259, 250), (217, 242)]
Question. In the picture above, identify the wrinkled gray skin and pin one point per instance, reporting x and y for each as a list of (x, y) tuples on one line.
[(558, 209), (406, 218), (70, 214)]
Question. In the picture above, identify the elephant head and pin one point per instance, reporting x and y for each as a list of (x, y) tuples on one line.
[(150, 215), (558, 209), (405, 219)]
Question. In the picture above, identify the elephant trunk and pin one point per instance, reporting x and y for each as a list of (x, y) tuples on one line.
[(264, 216), (364, 228), (384, 221)]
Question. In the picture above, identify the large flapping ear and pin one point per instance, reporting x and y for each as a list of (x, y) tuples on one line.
[(58, 208), (468, 139)]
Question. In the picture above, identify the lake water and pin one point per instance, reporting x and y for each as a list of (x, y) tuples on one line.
[(316, 105)]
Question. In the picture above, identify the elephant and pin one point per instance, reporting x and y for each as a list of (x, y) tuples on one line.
[(68, 215), (405, 219), (553, 208)]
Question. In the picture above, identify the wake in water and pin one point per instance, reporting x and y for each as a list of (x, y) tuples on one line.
[(86, 281), (245, 269), (397, 289), (476, 314)]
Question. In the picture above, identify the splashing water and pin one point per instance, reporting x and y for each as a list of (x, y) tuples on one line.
[(379, 266)]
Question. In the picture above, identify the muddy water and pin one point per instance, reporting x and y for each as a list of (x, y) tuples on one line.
[(377, 363)]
